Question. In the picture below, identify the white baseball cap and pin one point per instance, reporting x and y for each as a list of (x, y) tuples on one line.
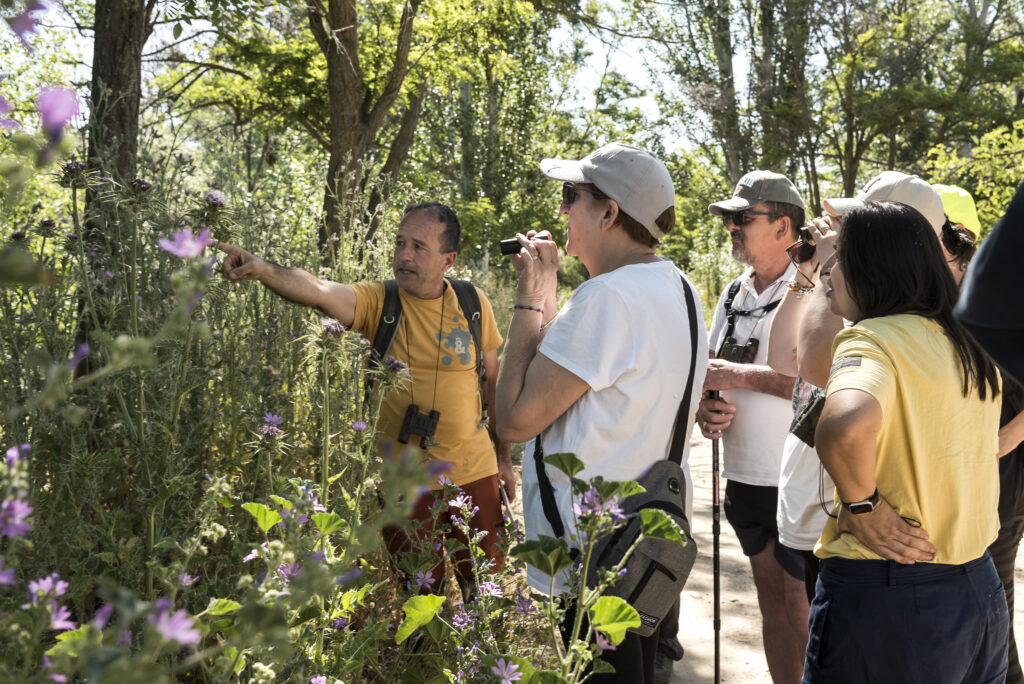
[(893, 186), (636, 179)]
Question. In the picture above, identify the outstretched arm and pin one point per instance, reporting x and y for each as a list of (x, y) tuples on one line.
[(294, 284)]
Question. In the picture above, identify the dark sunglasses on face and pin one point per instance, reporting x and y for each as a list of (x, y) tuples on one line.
[(803, 249), (745, 216), (569, 191)]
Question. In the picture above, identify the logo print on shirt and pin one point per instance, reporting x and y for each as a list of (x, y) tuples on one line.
[(458, 342)]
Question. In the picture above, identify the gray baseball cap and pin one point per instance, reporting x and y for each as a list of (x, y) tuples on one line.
[(893, 186), (757, 187), (636, 179)]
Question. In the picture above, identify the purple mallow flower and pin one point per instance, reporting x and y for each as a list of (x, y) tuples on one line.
[(56, 107), (592, 504), (12, 518), (15, 454), (185, 245), (25, 23), (176, 626), (464, 618), (6, 576), (319, 679), (102, 616), (186, 580), (424, 580), (59, 617), (603, 644), (6, 108), (43, 586), (290, 571), (81, 352), (509, 672)]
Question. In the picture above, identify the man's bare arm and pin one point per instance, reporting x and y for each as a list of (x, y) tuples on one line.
[(294, 284), (725, 375), (814, 345)]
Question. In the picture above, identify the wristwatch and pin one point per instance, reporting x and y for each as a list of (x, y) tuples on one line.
[(865, 506)]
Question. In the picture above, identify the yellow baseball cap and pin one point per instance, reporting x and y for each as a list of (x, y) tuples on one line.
[(959, 207)]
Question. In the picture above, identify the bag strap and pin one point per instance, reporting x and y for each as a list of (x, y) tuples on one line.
[(469, 302), (547, 492), (679, 436)]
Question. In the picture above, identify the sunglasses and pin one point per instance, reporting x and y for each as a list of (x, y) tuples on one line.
[(569, 191), (745, 216), (803, 249)]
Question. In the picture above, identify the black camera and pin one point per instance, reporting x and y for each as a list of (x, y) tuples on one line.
[(422, 424), (512, 246), (739, 353)]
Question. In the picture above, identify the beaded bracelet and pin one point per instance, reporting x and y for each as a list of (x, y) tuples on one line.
[(527, 307), (800, 291)]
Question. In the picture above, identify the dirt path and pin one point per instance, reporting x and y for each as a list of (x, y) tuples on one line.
[(742, 657)]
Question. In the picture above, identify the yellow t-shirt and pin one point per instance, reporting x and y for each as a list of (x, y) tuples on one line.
[(433, 339), (936, 452)]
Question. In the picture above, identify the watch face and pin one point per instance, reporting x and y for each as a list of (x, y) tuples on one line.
[(861, 507)]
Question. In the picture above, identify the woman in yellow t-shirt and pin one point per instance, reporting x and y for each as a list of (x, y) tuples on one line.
[(907, 591)]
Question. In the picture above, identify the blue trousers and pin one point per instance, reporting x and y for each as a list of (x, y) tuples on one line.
[(875, 621)]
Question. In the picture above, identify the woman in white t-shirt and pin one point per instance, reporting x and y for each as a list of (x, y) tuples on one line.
[(603, 378)]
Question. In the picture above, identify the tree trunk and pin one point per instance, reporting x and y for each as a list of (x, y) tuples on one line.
[(121, 29)]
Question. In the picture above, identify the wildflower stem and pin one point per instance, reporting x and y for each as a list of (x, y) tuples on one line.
[(325, 419), (133, 304), (82, 260)]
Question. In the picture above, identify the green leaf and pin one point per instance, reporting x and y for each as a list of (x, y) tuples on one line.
[(177, 31), (265, 517), (281, 501), (547, 554), (567, 463), (328, 522), (222, 607), (658, 525), (612, 616), (68, 642), (419, 610), (609, 489)]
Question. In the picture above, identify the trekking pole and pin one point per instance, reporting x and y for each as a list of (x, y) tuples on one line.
[(715, 558)]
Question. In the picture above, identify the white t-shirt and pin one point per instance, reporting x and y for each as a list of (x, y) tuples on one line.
[(626, 334), (803, 484), (753, 442)]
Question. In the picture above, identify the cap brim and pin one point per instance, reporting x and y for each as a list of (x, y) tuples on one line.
[(563, 169), (841, 206), (730, 205)]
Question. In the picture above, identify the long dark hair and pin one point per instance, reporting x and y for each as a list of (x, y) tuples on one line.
[(893, 264)]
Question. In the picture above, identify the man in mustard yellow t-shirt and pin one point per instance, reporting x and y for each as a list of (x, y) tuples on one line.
[(434, 340)]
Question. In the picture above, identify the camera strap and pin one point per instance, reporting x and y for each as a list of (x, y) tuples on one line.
[(731, 314), (679, 436)]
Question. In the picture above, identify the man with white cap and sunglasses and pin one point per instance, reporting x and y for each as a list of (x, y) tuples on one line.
[(603, 377)]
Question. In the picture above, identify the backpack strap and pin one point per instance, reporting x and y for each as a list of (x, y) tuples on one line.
[(730, 313), (469, 302), (387, 328)]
